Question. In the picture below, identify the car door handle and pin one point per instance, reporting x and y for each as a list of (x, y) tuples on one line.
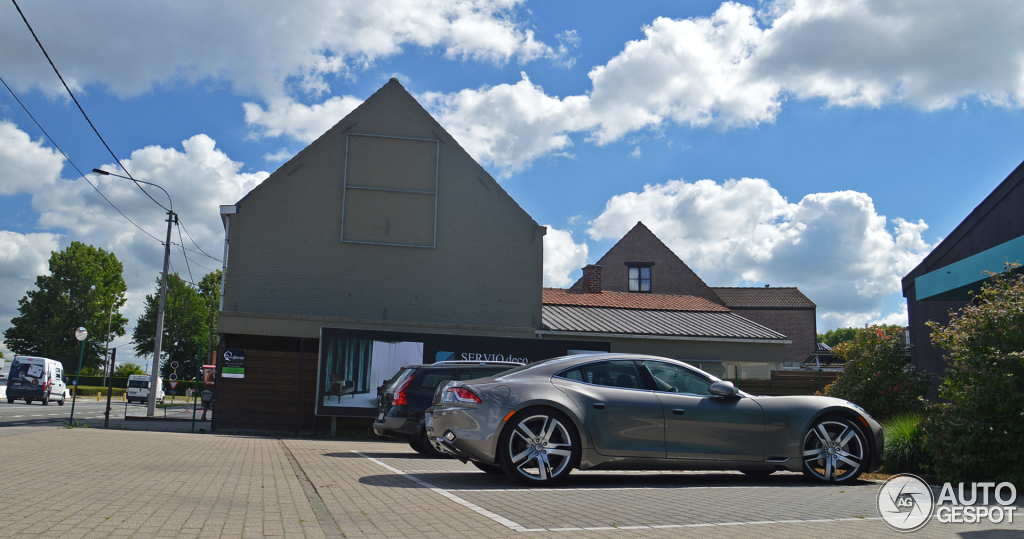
[(599, 405), (679, 411)]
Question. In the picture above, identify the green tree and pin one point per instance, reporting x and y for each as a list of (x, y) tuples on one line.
[(186, 324), (125, 370), (833, 337), (84, 286), (978, 435), (878, 375)]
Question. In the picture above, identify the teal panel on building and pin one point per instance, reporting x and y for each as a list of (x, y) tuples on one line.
[(953, 282)]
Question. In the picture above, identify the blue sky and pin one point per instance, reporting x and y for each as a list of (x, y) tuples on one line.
[(824, 145)]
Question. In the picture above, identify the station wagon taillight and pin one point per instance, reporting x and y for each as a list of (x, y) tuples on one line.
[(400, 398)]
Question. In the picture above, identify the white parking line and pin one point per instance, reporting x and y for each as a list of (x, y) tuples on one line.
[(471, 506), (520, 528)]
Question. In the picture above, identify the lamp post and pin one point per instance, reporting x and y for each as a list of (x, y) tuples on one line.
[(107, 370), (80, 334), (154, 373)]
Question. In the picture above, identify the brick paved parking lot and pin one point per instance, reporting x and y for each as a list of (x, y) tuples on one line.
[(91, 482)]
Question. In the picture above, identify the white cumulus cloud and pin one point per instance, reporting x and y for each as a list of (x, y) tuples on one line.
[(729, 70), (301, 122), (834, 246), (199, 177), (562, 256), (264, 47)]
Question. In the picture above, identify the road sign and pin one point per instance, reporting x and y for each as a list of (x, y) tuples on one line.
[(173, 384), (174, 364)]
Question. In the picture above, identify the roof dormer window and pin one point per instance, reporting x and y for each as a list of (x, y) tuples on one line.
[(640, 278)]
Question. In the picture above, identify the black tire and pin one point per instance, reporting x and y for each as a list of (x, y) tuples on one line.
[(62, 399), (46, 399), (415, 445), (539, 447), (429, 450), (28, 401), (492, 469), (10, 400), (835, 451)]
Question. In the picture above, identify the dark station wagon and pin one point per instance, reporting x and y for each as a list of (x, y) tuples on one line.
[(410, 391)]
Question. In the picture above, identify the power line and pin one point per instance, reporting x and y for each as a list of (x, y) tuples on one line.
[(73, 165), (73, 98), (194, 241), (191, 279)]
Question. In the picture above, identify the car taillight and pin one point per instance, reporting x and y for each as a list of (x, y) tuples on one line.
[(461, 394), (400, 398)]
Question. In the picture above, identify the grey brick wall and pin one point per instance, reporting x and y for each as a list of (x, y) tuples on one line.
[(286, 254), (799, 325)]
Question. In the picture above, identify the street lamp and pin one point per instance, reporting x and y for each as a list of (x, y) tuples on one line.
[(106, 351), (154, 373), (80, 334)]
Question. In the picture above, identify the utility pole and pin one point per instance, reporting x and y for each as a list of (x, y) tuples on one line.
[(154, 373)]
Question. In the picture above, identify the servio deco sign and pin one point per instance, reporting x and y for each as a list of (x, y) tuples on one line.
[(907, 503)]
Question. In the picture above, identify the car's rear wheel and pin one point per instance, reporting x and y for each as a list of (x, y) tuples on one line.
[(28, 401), (61, 401), (835, 450), (10, 400), (415, 445), (46, 399), (492, 469), (539, 447)]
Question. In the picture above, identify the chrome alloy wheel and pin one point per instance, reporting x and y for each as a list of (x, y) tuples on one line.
[(834, 451), (540, 448)]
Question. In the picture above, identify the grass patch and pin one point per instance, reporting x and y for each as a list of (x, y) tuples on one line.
[(903, 453)]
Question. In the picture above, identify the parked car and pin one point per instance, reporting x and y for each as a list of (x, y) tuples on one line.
[(36, 379), (403, 399), (621, 411)]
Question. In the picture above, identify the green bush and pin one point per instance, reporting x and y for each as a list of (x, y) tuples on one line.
[(978, 435), (877, 376), (903, 451)]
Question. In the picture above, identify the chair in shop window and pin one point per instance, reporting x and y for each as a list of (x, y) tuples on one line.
[(340, 386)]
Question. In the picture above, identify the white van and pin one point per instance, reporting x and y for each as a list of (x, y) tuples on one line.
[(138, 389), (36, 379)]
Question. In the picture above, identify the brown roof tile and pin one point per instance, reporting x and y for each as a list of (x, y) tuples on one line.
[(762, 297), (627, 300)]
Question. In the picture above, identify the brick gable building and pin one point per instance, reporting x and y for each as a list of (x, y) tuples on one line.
[(641, 263)]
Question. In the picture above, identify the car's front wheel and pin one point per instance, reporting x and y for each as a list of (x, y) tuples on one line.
[(539, 447), (835, 450)]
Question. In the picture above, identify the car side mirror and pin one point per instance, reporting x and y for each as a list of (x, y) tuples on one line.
[(723, 388)]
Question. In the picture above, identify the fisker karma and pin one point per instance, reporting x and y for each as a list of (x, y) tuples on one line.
[(538, 422)]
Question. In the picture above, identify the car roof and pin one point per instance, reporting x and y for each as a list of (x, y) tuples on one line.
[(565, 362), (458, 363)]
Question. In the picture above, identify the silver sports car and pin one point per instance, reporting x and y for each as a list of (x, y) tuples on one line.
[(626, 412)]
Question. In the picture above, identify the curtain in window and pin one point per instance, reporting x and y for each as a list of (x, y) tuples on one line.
[(351, 358)]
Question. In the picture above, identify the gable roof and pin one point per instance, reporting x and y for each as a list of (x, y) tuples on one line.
[(738, 297), (670, 275), (627, 300)]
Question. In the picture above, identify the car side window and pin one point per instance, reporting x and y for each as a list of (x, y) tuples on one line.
[(621, 373), (575, 375), (434, 378), (677, 379)]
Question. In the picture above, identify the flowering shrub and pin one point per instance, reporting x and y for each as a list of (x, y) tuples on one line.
[(979, 434), (878, 377)]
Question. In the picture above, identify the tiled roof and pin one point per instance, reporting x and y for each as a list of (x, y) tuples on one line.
[(627, 300), (762, 297), (619, 321)]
